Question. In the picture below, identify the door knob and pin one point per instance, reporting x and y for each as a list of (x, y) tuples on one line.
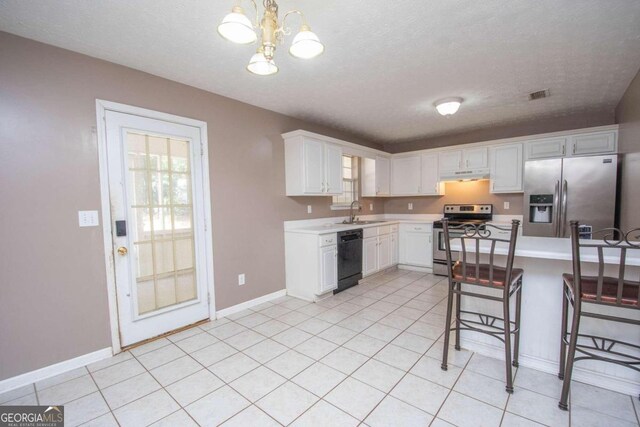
[(122, 250)]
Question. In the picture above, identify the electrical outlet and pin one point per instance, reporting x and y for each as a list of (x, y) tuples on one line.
[(370, 206), (507, 205), (88, 219), (241, 280), (410, 206), (309, 209)]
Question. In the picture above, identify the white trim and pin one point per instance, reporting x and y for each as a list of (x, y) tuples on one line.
[(349, 147), (251, 303), (364, 151), (415, 268), (53, 370), (620, 385), (101, 107)]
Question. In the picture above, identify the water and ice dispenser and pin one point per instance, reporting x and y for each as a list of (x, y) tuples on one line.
[(541, 208)]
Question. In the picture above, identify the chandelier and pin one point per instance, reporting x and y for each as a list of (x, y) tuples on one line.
[(236, 27)]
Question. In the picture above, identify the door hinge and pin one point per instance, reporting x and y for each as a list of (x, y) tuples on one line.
[(201, 149)]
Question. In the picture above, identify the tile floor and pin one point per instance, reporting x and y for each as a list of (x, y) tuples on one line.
[(369, 356)]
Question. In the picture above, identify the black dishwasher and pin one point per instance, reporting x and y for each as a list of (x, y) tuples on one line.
[(349, 259)]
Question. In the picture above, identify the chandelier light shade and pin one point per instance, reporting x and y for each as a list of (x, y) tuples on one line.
[(306, 44), (448, 106), (237, 28), (260, 65)]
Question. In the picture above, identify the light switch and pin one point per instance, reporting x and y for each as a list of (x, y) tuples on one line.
[(88, 219), (241, 279), (410, 206), (507, 205), (370, 206), (309, 209)]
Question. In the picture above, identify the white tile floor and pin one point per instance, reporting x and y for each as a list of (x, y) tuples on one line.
[(369, 356)]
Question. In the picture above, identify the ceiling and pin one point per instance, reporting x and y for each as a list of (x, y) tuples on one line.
[(385, 62)]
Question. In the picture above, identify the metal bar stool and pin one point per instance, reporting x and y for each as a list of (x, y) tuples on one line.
[(618, 291), (507, 279)]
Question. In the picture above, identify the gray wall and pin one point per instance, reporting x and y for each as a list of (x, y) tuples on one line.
[(53, 292), (628, 117)]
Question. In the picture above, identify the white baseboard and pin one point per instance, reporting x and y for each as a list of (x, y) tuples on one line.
[(251, 303), (620, 385), (53, 370), (415, 268)]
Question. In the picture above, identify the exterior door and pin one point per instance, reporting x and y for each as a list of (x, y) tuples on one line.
[(157, 205)]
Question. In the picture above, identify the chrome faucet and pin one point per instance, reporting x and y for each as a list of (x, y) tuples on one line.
[(352, 217)]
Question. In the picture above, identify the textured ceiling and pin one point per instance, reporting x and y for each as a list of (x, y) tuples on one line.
[(385, 62)]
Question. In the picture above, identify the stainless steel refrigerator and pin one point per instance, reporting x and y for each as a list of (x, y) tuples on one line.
[(574, 188)]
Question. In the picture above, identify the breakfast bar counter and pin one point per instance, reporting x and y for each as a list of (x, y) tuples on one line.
[(544, 260)]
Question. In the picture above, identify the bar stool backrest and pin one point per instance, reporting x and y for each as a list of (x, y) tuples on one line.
[(611, 244), (471, 234)]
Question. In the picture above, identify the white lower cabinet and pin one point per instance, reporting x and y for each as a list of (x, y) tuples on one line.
[(369, 256), (394, 248), (311, 264), (379, 248), (416, 245), (328, 269), (384, 251)]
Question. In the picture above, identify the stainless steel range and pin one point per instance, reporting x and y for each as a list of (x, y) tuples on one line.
[(456, 214)]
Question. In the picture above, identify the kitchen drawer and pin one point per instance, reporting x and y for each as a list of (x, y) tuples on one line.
[(385, 229), (424, 228), (394, 228), (328, 239), (369, 232)]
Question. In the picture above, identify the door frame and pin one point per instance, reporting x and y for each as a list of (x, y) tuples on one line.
[(105, 198)]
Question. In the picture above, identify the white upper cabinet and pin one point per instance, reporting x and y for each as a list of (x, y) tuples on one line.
[(506, 168), (469, 158), (313, 167), (333, 169), (450, 160), (405, 175), (593, 143), (376, 177), (383, 176), (546, 148), (475, 158), (429, 180)]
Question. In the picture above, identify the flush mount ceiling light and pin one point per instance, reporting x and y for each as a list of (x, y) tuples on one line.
[(448, 106), (236, 27)]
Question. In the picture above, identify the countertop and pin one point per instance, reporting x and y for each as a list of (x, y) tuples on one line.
[(334, 228), (551, 248)]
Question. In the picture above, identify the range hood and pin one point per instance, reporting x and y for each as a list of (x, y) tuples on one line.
[(464, 175)]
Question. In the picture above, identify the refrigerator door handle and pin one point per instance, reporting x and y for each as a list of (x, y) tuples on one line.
[(556, 207), (564, 207)]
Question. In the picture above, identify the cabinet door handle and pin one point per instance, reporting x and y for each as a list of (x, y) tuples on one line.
[(564, 150), (573, 151)]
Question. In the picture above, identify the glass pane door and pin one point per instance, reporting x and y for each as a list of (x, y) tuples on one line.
[(160, 195)]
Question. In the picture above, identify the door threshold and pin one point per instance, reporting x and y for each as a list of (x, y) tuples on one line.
[(166, 334)]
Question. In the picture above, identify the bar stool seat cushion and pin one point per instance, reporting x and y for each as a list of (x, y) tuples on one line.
[(499, 274), (589, 286)]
